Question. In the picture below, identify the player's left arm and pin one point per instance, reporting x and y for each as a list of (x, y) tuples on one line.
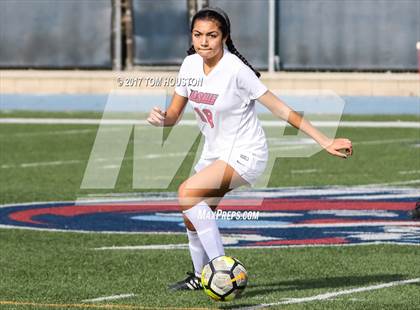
[(283, 111)]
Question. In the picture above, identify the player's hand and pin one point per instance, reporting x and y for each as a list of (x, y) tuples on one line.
[(340, 147), (157, 117)]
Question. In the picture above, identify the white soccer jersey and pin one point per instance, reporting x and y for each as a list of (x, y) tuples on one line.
[(224, 104)]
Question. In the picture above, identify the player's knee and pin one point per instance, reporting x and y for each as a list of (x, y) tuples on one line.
[(183, 197), (186, 197)]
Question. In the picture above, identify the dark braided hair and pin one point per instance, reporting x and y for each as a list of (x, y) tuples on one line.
[(234, 51), (214, 13)]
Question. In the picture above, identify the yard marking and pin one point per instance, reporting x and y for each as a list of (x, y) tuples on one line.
[(326, 296), (113, 297), (87, 121)]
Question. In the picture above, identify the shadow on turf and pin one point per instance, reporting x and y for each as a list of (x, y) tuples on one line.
[(331, 282)]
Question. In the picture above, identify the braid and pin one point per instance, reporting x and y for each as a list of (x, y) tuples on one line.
[(234, 51), (191, 50)]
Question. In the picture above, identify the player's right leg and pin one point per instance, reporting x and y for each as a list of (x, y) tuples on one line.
[(202, 193), (214, 181), (198, 254)]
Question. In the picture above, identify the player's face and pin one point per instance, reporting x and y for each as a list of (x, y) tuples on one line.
[(207, 39)]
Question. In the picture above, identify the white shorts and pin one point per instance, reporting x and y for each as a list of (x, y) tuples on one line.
[(247, 164)]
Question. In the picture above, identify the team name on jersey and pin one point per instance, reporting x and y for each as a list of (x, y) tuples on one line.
[(199, 97)]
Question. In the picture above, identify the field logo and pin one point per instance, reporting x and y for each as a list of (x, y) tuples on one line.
[(321, 217)]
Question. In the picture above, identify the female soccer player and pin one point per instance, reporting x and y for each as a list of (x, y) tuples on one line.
[(235, 149)]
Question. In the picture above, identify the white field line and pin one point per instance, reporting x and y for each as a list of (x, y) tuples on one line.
[(42, 133), (409, 172), (285, 144), (417, 181), (373, 142), (80, 161), (84, 121), (114, 297), (257, 196), (305, 171), (146, 247), (323, 225), (181, 154), (185, 246), (44, 163), (383, 196), (356, 124), (282, 192), (330, 295), (55, 132)]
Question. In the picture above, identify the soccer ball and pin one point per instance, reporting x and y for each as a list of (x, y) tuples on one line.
[(224, 278)]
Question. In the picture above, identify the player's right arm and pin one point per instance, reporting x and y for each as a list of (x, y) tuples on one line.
[(171, 116)]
